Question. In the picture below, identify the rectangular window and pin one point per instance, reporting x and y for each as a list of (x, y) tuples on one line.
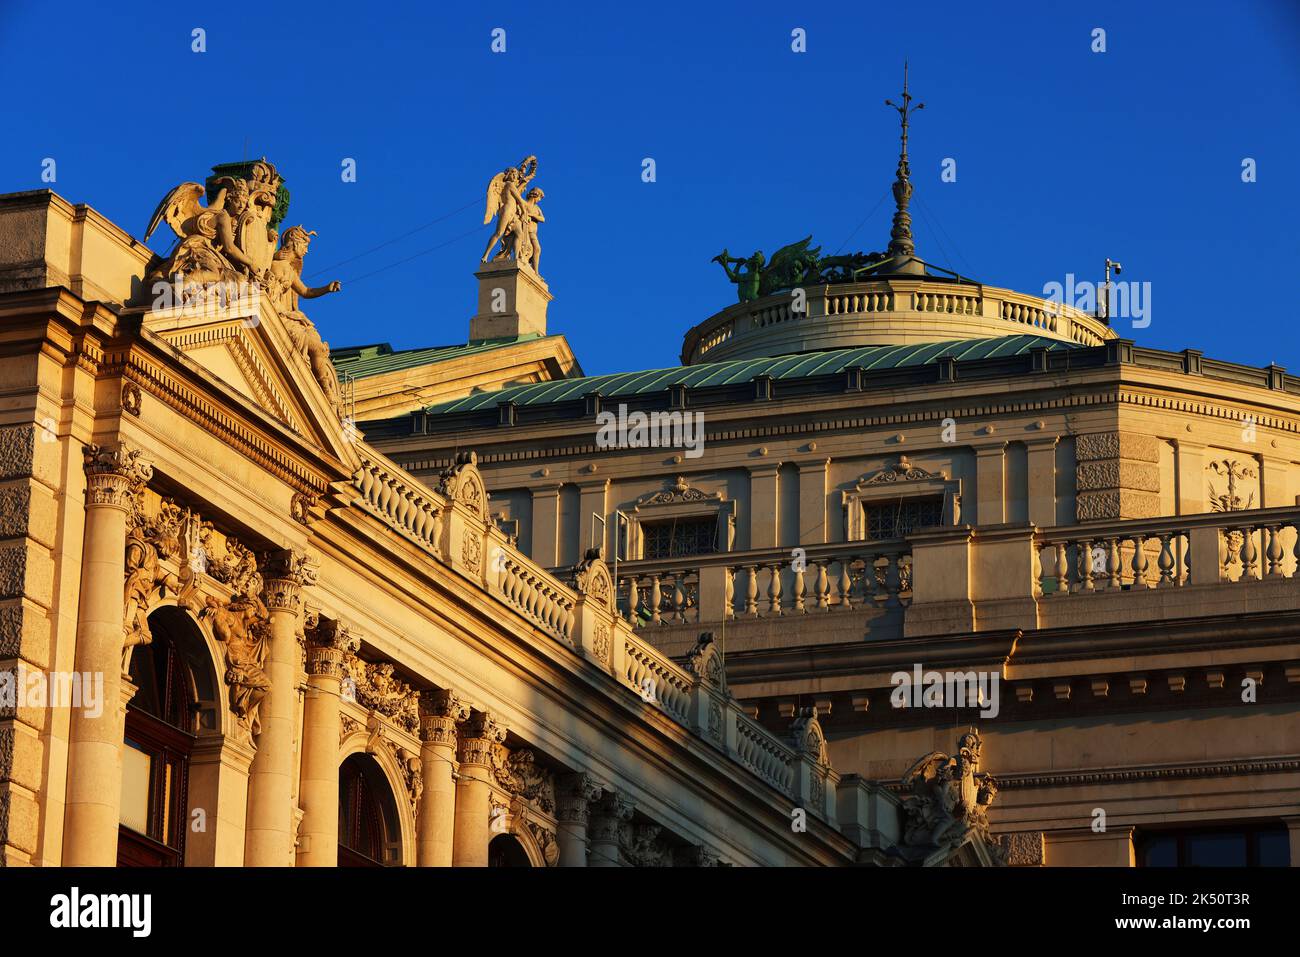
[(1247, 846), (890, 520), (679, 537)]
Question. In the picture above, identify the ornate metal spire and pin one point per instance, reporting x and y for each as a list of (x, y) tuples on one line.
[(901, 247)]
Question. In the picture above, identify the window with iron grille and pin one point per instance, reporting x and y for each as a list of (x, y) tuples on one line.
[(678, 537), (890, 520)]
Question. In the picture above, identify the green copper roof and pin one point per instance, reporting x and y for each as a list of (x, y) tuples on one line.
[(797, 366), (362, 361)]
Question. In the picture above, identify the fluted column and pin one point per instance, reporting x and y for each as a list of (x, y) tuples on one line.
[(269, 839), (477, 737), (94, 788), (608, 816), (318, 785), (573, 797), (440, 712)]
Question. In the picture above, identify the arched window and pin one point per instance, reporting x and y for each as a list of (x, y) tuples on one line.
[(506, 851), (369, 832), (162, 720)]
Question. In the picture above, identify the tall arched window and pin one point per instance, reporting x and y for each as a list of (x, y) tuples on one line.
[(369, 832), (506, 851), (162, 721)]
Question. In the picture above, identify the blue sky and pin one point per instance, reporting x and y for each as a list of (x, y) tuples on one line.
[(1064, 156)]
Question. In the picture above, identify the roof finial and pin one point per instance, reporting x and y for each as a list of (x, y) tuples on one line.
[(901, 247)]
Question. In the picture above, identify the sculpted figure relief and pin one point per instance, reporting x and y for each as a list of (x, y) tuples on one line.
[(233, 240), (242, 628), (517, 214)]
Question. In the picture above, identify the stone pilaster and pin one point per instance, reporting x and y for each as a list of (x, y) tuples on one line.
[(440, 712), (318, 786), (573, 796), (94, 790), (608, 817), (269, 839), (473, 832), (1117, 476)]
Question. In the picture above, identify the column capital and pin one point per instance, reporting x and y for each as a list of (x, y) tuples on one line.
[(573, 796), (608, 815), (328, 640), (114, 476), (440, 712), (478, 735), (284, 574)]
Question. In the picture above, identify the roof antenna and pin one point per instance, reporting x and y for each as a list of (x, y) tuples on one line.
[(1103, 301)]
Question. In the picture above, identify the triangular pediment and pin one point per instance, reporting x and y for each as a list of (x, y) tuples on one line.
[(255, 356)]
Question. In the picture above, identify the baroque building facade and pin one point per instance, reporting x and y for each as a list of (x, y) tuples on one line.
[(233, 631), (879, 484)]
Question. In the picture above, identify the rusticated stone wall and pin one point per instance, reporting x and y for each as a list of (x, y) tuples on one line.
[(1117, 476)]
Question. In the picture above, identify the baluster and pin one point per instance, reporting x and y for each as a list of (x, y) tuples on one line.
[(1062, 570), (728, 592), (1274, 551), (823, 586), (1295, 549), (1249, 554), (656, 598), (1084, 549), (846, 584), (751, 593), (1166, 561), (1114, 563), (679, 598), (892, 580), (774, 591), (633, 599), (1139, 561), (798, 589)]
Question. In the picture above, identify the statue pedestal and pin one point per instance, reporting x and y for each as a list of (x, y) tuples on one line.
[(512, 302)]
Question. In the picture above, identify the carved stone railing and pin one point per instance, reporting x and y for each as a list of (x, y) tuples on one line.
[(765, 583), (1172, 552), (534, 593), (398, 499), (879, 312), (453, 528)]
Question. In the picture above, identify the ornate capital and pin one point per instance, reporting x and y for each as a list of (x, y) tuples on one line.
[(114, 476), (608, 815), (477, 738), (440, 712), (284, 573), (573, 796), (328, 642)]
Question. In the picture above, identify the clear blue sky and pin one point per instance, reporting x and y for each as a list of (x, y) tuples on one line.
[(1064, 156)]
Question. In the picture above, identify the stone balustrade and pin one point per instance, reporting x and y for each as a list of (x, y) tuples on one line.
[(576, 616)]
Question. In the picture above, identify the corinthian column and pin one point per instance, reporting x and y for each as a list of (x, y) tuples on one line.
[(608, 817), (94, 789), (478, 736), (573, 796), (318, 785), (269, 838), (440, 711)]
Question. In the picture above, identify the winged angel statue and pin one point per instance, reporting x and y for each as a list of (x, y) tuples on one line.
[(517, 214), (233, 240)]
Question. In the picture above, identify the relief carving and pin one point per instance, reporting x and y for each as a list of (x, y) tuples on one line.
[(377, 688)]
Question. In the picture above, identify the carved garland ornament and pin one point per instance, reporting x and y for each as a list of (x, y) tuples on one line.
[(377, 689)]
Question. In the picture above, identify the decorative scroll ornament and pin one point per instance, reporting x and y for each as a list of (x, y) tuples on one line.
[(680, 491), (705, 660), (518, 772), (377, 689), (591, 577), (902, 471), (1230, 501), (948, 798), (807, 736), (461, 482), (517, 214)]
